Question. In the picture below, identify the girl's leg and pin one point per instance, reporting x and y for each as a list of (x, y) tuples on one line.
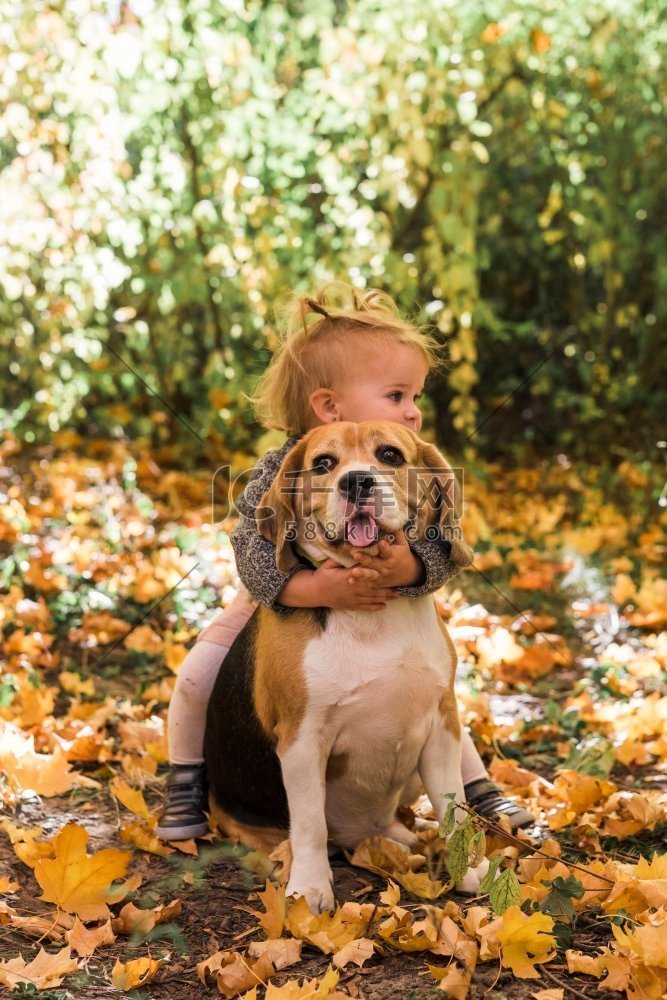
[(484, 795), (189, 702), (187, 798)]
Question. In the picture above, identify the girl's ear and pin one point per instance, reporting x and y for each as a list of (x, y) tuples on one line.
[(324, 405)]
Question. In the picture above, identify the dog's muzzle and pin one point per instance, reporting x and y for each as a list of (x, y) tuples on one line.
[(361, 525)]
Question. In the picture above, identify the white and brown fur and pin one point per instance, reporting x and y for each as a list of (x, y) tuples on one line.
[(331, 721)]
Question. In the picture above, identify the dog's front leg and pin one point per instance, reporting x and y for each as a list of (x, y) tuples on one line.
[(440, 770), (304, 767)]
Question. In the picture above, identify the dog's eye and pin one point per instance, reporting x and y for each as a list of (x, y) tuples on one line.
[(390, 456), (324, 463)]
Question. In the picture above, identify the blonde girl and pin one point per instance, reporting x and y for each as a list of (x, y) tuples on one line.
[(342, 355)]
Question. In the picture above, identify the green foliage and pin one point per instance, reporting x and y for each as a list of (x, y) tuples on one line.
[(504, 892), (558, 902), (594, 756), (167, 170), (466, 844)]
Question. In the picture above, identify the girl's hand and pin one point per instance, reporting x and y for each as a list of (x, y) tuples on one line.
[(332, 586), (396, 564)]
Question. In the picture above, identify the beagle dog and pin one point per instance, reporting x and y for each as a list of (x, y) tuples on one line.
[(323, 722)]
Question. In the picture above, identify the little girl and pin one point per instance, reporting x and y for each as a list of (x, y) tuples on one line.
[(345, 355)]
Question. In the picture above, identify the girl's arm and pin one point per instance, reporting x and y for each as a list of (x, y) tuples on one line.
[(442, 561), (256, 556)]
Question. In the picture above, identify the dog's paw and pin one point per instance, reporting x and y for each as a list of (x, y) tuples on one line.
[(317, 891), (469, 884)]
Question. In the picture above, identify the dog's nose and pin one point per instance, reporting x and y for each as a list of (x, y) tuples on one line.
[(356, 486)]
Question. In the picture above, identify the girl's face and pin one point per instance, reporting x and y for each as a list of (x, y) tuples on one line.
[(383, 388)]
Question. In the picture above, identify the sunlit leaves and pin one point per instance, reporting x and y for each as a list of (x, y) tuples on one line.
[(448, 153), (76, 881)]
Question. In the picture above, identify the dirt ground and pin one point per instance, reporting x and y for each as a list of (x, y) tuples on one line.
[(220, 884), (212, 919)]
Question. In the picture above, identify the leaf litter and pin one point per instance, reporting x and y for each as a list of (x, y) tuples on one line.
[(563, 670)]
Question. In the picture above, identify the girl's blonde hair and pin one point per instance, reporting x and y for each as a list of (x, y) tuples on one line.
[(316, 336)]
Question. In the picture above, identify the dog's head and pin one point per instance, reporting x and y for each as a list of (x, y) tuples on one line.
[(346, 486)]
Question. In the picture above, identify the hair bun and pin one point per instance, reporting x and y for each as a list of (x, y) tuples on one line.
[(316, 307)]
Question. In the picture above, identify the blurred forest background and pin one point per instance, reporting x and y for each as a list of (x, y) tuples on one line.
[(168, 169)]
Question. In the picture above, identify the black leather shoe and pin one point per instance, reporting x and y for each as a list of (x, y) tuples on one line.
[(187, 797), (486, 798)]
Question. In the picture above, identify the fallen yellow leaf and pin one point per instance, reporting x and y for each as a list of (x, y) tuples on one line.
[(524, 941), (85, 940), (452, 981), (309, 989), (78, 882), (44, 971), (356, 952), (141, 835), (133, 920), (73, 684), (282, 952), (328, 932), (45, 774), (143, 640), (132, 799), (138, 972), (272, 920)]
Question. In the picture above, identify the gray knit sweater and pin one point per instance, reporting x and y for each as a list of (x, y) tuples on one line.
[(256, 557)]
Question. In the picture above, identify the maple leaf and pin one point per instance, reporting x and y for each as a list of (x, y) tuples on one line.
[(617, 967), (281, 952), (272, 920), (127, 976), (141, 835), (452, 981), (44, 971), (357, 952), (400, 932), (312, 989), (45, 774), (234, 973), (26, 847), (386, 857), (508, 772), (525, 941), (452, 941), (474, 918), (647, 942), (76, 881), (328, 932), (85, 940), (131, 798), (133, 920)]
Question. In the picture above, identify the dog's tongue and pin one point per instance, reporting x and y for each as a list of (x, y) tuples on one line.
[(362, 529)]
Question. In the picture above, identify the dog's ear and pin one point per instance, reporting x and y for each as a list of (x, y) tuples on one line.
[(281, 507), (439, 500)]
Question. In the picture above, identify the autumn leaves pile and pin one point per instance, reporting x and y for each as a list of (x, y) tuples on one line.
[(110, 564)]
